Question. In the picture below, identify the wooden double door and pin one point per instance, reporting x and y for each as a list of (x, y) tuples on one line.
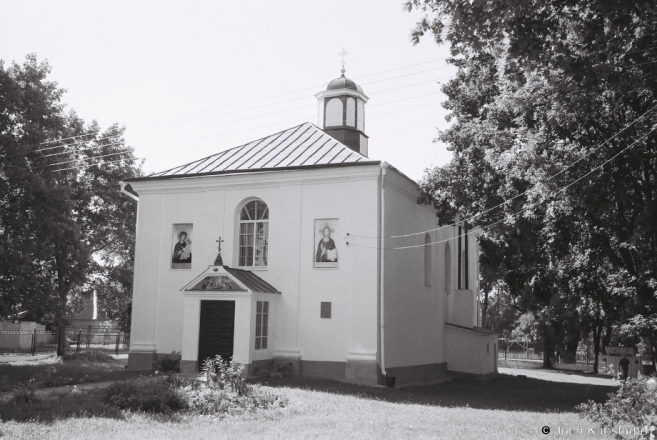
[(217, 330)]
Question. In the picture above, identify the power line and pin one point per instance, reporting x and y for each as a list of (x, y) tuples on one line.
[(278, 123), (298, 99), (531, 205), (250, 138), (66, 138), (83, 159), (86, 149), (524, 192), (265, 105), (274, 125), (267, 114), (80, 167), (84, 167), (642, 50), (73, 146), (93, 157), (641, 64), (275, 113), (295, 91)]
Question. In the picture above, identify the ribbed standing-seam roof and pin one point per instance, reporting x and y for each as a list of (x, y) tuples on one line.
[(303, 145), (251, 280)]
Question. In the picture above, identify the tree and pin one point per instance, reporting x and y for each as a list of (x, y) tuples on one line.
[(555, 111), (59, 199)]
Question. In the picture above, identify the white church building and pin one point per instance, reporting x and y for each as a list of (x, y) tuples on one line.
[(315, 267)]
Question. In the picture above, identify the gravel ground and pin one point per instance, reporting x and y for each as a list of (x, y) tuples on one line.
[(561, 376)]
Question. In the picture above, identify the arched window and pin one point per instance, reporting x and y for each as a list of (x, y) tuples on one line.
[(448, 267), (334, 110), (254, 234), (427, 260), (351, 112), (361, 116)]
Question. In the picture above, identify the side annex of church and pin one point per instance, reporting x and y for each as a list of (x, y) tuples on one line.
[(311, 271)]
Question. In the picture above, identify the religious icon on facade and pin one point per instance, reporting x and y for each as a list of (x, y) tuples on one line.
[(216, 283), (181, 257), (326, 251)]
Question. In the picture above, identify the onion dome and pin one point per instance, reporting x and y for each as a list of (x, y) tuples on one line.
[(343, 83)]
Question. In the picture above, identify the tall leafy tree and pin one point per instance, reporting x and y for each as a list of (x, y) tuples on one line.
[(60, 210), (554, 108)]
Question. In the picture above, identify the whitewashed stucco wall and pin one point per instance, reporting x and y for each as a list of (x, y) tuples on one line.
[(414, 312), (295, 200)]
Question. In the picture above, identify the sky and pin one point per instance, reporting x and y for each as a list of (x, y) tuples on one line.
[(190, 79)]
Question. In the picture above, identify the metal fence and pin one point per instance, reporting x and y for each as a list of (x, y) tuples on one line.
[(26, 343), (520, 355), (581, 357)]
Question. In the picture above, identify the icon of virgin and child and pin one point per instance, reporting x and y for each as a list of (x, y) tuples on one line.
[(326, 250), (182, 251)]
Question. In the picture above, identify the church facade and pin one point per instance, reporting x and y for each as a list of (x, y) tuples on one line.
[(326, 261)]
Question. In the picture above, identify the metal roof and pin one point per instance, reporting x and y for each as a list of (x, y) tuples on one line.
[(300, 146), (252, 281)]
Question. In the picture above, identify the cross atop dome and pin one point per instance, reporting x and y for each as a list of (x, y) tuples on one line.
[(343, 54)]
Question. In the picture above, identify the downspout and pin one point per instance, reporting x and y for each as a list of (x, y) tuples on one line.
[(384, 168), (466, 272), (127, 193)]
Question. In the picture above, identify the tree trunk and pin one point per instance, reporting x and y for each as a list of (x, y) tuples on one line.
[(546, 352), (652, 350), (571, 347), (61, 338), (606, 341), (597, 330), (484, 310)]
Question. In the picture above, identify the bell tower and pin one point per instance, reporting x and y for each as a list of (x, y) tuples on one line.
[(342, 111)]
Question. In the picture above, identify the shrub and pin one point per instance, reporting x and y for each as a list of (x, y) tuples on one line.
[(630, 412), (169, 363), (207, 399), (89, 356), (157, 396), (277, 370), (24, 394), (51, 408), (225, 375)]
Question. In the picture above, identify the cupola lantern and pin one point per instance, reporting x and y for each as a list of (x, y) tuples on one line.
[(342, 112)]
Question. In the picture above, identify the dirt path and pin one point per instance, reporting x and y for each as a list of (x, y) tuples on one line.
[(561, 376)]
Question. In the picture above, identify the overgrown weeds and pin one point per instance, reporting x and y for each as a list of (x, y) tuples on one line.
[(89, 356), (169, 363), (27, 407), (629, 413), (224, 375), (156, 396)]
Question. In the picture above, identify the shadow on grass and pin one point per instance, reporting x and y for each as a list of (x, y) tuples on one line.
[(76, 369), (25, 407), (504, 392)]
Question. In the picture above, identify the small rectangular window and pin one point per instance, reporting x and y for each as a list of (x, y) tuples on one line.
[(326, 310), (262, 319)]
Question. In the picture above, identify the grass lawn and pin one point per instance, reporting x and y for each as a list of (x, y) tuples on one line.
[(84, 367), (506, 407)]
